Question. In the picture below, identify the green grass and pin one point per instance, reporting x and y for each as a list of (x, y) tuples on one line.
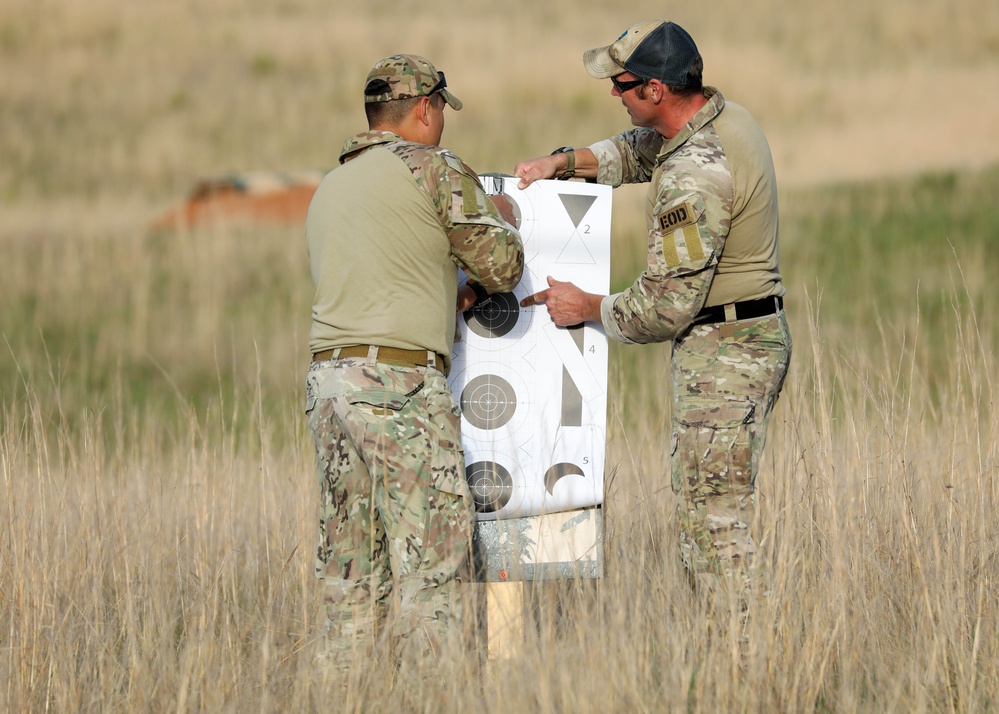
[(878, 248), (896, 268), (172, 325)]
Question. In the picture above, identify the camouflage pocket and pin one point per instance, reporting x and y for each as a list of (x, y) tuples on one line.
[(714, 451), (448, 457), (451, 483), (382, 388), (311, 391), (719, 415), (447, 526), (680, 242), (380, 398)]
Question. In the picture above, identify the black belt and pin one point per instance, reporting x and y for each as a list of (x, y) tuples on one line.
[(388, 355), (747, 310)]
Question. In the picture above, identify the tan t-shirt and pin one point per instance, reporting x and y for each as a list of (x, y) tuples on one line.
[(712, 216), (386, 234), (747, 267)]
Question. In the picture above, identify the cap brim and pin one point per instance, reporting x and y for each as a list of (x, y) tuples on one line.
[(452, 100), (600, 65)]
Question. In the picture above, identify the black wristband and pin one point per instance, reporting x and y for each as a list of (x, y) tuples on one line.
[(570, 166), (480, 293)]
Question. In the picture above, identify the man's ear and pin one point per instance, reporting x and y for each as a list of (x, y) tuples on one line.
[(423, 110), (658, 90)]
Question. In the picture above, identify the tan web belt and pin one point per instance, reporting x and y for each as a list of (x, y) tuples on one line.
[(386, 355)]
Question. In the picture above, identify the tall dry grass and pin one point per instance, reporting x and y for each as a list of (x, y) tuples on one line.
[(156, 564), (158, 529), (158, 506)]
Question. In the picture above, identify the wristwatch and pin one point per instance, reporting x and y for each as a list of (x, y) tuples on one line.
[(570, 167)]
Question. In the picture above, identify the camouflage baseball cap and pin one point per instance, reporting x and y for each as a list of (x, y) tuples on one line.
[(656, 49), (404, 77)]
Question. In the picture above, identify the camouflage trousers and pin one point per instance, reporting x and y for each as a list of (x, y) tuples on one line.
[(395, 510), (726, 379)]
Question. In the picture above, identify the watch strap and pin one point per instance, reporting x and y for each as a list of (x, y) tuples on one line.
[(570, 166), (481, 295)]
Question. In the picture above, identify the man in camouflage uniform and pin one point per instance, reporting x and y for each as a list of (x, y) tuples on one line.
[(712, 286), (386, 232)]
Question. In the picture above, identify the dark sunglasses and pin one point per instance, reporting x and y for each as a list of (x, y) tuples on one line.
[(623, 87)]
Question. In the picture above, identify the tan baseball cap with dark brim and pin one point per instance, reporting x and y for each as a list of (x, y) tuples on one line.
[(609, 61), (405, 77), (656, 49)]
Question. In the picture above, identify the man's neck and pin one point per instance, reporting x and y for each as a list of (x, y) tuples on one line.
[(679, 113)]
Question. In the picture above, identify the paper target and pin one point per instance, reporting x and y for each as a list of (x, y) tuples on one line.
[(491, 485), (495, 400), (498, 322), (488, 401), (533, 396), (494, 317), (559, 471)]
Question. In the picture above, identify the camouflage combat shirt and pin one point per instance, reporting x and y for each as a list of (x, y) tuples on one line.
[(387, 231), (712, 216)]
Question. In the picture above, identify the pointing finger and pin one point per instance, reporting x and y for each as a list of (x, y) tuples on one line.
[(535, 299)]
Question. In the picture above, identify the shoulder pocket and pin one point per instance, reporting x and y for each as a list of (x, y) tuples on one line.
[(682, 241)]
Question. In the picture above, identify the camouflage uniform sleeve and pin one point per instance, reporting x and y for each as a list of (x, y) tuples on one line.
[(629, 157), (683, 248), (484, 245)]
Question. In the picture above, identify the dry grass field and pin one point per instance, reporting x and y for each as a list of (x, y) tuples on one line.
[(157, 504)]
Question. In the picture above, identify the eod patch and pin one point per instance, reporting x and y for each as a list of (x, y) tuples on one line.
[(680, 218), (676, 217)]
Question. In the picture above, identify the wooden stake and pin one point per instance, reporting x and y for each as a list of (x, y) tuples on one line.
[(505, 618)]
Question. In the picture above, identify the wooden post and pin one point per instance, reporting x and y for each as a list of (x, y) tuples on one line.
[(512, 551), (505, 617)]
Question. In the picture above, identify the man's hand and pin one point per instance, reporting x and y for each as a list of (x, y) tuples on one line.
[(466, 298), (567, 304), (543, 167)]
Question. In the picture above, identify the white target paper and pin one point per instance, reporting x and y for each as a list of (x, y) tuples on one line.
[(533, 396)]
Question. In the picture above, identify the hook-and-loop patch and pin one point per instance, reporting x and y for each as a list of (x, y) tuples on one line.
[(680, 218)]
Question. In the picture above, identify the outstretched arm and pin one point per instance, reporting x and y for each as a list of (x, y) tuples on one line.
[(567, 304), (553, 166)]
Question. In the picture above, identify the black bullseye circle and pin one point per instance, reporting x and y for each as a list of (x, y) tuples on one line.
[(495, 316), (491, 485), (488, 401)]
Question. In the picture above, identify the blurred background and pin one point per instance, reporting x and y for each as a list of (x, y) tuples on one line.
[(113, 113), (138, 99)]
